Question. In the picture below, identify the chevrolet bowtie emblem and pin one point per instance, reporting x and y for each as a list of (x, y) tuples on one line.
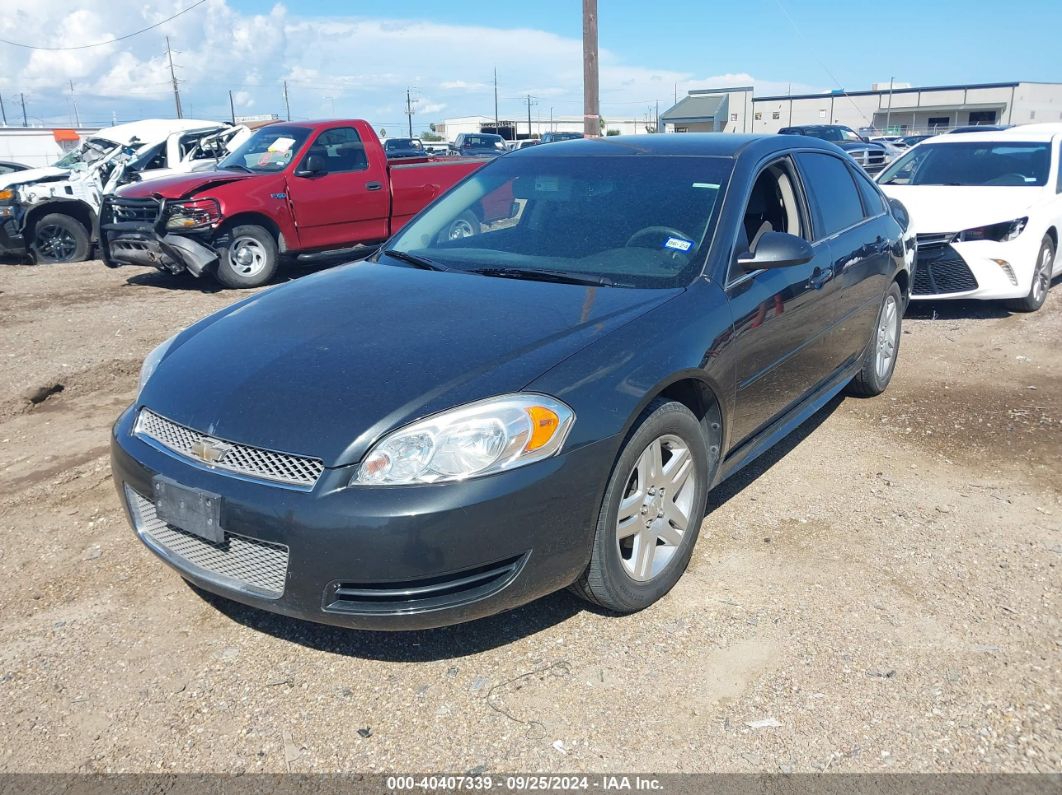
[(210, 450)]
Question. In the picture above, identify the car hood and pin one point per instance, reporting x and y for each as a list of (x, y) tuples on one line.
[(936, 209), (323, 366), (32, 175), (180, 186)]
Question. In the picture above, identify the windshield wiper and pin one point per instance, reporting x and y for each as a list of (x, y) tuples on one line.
[(532, 274), (420, 262), (237, 165)]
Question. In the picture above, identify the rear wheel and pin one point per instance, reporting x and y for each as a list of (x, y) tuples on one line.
[(1041, 280), (59, 238), (248, 258), (465, 225), (879, 362), (652, 512)]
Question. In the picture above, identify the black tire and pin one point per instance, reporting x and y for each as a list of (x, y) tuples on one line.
[(465, 225), (607, 580), (58, 237), (1041, 280), (872, 380), (250, 241)]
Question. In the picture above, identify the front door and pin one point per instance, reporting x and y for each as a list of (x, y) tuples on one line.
[(347, 201), (779, 313)]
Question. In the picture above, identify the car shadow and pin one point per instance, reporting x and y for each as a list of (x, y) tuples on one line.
[(956, 310), (427, 645), (462, 640), (173, 281)]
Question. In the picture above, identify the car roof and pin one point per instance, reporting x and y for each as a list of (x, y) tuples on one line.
[(1000, 136), (683, 144)]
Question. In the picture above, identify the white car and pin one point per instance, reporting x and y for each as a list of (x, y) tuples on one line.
[(987, 207)]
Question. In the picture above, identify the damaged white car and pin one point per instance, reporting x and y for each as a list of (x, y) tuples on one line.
[(51, 214)]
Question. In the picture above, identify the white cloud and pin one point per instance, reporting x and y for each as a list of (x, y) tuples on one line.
[(361, 66)]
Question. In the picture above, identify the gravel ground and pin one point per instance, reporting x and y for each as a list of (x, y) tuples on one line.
[(879, 593)]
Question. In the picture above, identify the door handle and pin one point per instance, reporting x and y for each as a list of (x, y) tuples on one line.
[(819, 277), (373, 186)]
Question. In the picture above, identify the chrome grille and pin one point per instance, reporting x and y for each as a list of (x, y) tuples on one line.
[(249, 564), (253, 461)]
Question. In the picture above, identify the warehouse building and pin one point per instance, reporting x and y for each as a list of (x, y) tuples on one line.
[(517, 129), (896, 108)]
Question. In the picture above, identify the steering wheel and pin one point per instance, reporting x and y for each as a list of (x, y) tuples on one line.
[(670, 231)]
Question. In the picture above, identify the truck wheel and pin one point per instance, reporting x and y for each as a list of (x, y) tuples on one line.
[(59, 238), (465, 225), (248, 258)]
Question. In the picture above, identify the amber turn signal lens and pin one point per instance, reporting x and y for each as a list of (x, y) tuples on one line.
[(544, 423)]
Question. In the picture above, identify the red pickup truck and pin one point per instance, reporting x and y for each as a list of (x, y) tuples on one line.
[(305, 190)]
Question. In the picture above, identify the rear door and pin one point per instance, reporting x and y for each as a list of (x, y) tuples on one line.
[(348, 202), (780, 315), (851, 216)]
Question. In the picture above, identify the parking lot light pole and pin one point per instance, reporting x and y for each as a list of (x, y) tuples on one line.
[(591, 107)]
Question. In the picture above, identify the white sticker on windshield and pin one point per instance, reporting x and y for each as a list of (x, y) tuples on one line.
[(546, 185), (281, 144), (678, 244)]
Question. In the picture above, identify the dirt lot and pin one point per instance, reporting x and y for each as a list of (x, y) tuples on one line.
[(885, 588)]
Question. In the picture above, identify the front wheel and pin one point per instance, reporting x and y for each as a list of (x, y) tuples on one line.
[(652, 512), (879, 361), (248, 258), (59, 238), (1041, 280)]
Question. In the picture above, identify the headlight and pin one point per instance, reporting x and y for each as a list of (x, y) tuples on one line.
[(1007, 230), (152, 361), (478, 439), (192, 214)]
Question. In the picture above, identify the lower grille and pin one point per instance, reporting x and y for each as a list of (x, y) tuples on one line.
[(941, 270), (247, 564), (413, 595)]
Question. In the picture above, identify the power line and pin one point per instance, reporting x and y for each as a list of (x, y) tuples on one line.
[(109, 41)]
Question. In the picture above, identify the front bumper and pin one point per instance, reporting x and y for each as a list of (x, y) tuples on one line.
[(12, 243), (982, 269), (377, 558), (145, 241)]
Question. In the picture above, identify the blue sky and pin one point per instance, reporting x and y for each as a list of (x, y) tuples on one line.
[(357, 57)]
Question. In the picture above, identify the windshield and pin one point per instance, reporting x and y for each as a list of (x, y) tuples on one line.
[(269, 149), (633, 221), (88, 153), (402, 143), (835, 134), (988, 163)]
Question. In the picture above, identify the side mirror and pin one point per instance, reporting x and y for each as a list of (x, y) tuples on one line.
[(777, 250), (313, 166)]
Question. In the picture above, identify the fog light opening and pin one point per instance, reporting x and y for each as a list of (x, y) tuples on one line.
[(1007, 269)]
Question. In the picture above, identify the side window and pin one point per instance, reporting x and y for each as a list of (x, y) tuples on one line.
[(873, 203), (831, 193), (341, 149), (772, 206)]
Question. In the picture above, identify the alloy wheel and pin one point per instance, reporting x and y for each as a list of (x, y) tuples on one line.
[(54, 243), (460, 229), (248, 256), (654, 513), (1042, 277), (888, 334)]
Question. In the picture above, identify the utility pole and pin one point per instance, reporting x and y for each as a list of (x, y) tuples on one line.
[(25, 121), (73, 101), (173, 79), (287, 107), (495, 100), (2, 111), (409, 112), (888, 113), (232, 108), (529, 98), (551, 118), (591, 107), (657, 116)]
